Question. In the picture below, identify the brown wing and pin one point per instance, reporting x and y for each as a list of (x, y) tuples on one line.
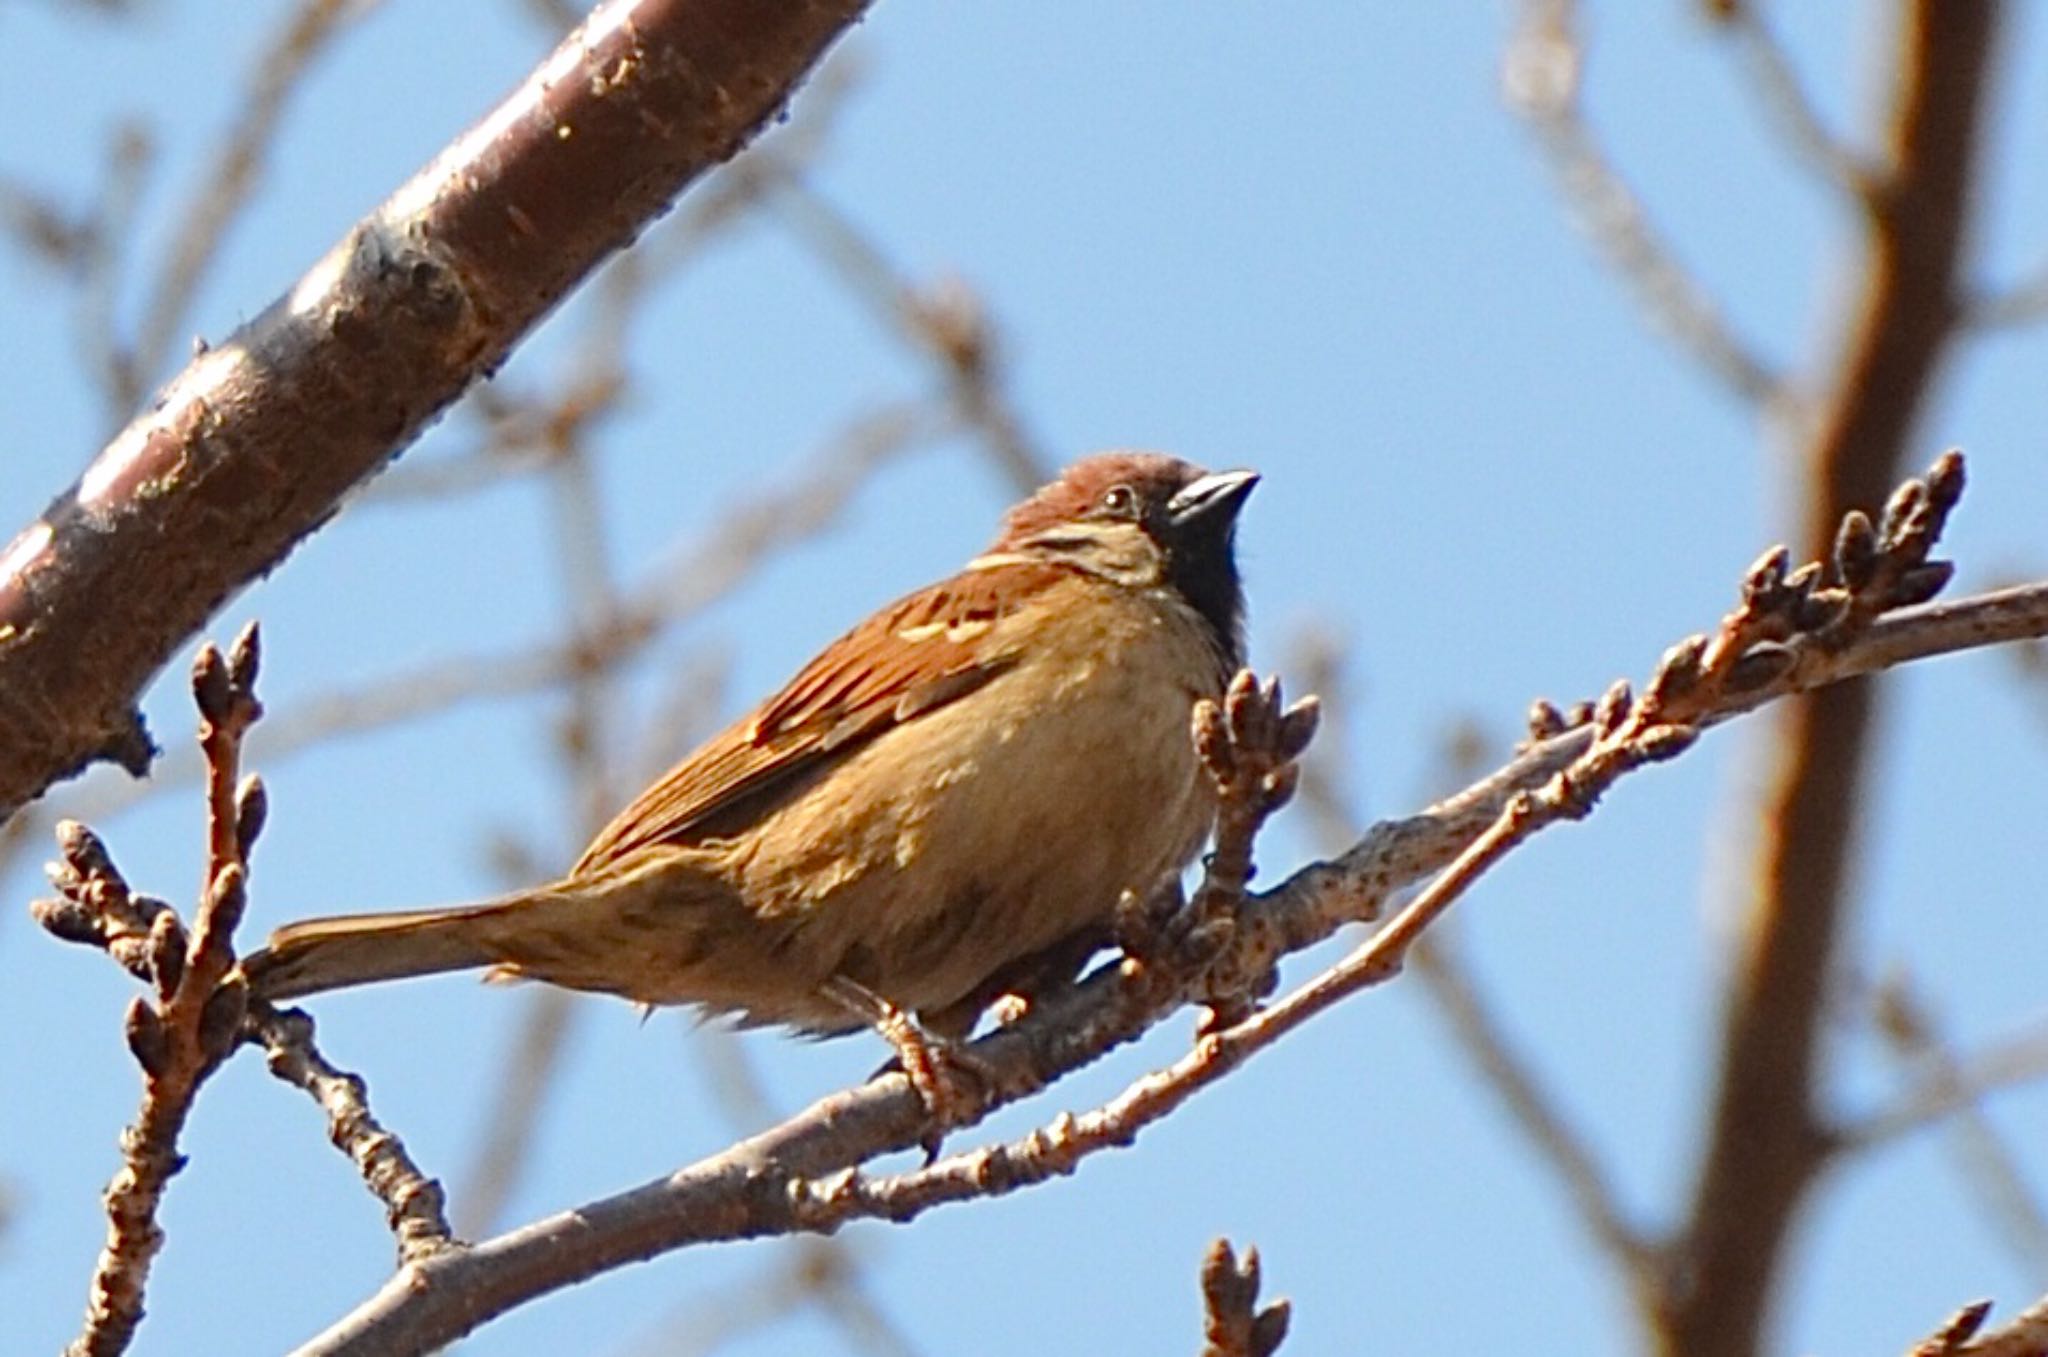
[(920, 653)]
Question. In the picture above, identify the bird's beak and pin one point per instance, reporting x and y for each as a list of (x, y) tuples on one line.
[(1211, 502)]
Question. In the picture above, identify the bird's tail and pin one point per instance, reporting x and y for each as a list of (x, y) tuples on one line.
[(358, 949)]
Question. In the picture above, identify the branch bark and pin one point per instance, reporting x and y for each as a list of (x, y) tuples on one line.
[(252, 447)]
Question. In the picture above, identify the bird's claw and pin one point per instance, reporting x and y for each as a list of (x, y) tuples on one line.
[(953, 1083)]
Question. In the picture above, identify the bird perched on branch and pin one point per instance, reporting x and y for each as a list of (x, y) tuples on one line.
[(963, 784)]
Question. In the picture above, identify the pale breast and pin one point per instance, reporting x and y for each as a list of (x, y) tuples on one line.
[(993, 827)]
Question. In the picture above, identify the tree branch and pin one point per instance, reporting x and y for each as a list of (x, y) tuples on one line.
[(1988, 1164), (253, 445), (223, 190), (1234, 1324), (188, 1024), (1763, 1144), (1787, 102), (2025, 1335), (1543, 78), (413, 1202)]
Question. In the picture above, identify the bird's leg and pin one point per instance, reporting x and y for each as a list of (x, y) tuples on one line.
[(953, 1084)]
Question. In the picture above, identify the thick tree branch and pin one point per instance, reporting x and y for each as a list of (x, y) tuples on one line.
[(253, 445), (1763, 1146)]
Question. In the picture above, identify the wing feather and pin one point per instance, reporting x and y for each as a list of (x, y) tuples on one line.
[(926, 650)]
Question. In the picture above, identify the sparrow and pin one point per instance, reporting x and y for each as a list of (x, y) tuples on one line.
[(961, 786)]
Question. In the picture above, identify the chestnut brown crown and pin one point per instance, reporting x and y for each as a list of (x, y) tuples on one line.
[(1144, 520)]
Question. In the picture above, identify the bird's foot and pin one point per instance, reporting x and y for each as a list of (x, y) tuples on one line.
[(954, 1084)]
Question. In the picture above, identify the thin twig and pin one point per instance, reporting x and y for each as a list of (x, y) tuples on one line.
[(1234, 1324), (2023, 303), (189, 1022), (531, 1062), (131, 155), (590, 598), (752, 530), (228, 183), (1562, 1147), (1987, 1162), (413, 1202), (1785, 98), (1543, 73), (949, 323), (2018, 1060), (46, 232)]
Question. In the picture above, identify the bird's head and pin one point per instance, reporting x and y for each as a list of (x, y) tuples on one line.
[(1143, 520)]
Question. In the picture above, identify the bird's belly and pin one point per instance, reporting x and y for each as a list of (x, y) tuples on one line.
[(1002, 826)]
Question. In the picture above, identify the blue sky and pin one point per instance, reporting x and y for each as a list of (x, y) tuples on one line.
[(1306, 237)]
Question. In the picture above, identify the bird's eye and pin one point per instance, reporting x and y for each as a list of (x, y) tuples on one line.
[(1120, 501)]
